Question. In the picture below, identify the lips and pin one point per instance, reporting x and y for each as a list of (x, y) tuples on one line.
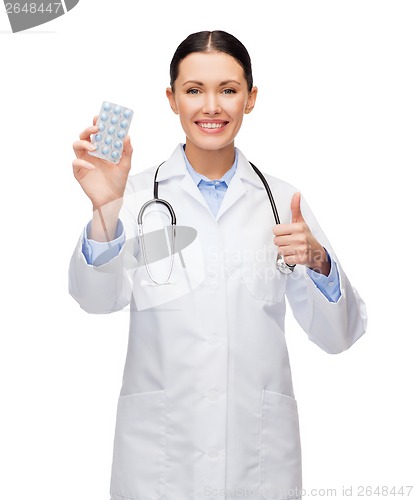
[(211, 126)]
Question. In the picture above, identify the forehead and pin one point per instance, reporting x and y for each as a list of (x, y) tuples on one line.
[(210, 66)]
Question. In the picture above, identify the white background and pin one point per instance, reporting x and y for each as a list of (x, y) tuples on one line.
[(334, 117)]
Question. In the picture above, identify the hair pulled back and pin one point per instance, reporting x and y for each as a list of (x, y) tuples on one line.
[(212, 41)]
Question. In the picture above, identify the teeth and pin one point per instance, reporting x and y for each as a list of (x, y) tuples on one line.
[(211, 125)]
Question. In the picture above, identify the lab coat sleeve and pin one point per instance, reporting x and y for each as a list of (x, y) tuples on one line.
[(333, 326), (328, 285), (99, 252), (105, 288)]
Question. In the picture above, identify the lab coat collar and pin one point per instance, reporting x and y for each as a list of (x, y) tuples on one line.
[(237, 188), (175, 166)]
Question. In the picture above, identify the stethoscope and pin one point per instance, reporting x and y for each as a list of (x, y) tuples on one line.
[(281, 265)]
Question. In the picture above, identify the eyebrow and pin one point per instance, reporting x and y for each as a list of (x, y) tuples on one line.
[(201, 84)]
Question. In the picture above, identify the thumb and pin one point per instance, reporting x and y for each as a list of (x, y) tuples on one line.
[(127, 146), (125, 162), (295, 208)]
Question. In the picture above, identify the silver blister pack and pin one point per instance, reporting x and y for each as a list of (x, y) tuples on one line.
[(113, 123)]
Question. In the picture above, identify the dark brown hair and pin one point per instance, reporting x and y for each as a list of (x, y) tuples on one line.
[(212, 41)]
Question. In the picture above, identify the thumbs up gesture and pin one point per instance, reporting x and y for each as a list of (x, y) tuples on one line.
[(297, 244)]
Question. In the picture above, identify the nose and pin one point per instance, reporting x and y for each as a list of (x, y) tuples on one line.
[(211, 105)]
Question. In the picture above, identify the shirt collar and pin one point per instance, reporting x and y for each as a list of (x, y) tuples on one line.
[(199, 177)]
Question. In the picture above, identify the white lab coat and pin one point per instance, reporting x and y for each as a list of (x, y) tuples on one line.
[(207, 408)]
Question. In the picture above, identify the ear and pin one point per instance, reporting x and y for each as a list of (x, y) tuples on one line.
[(251, 100), (171, 97)]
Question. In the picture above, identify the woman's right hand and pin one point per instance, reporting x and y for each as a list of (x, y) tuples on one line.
[(103, 182)]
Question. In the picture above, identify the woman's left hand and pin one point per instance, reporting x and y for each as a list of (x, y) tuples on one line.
[(297, 244)]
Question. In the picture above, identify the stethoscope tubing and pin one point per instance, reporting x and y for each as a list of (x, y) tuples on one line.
[(280, 263)]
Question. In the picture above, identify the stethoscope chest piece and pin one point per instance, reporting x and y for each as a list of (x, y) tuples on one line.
[(283, 267)]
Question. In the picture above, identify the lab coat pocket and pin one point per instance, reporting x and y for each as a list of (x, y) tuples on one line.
[(258, 268), (139, 459), (280, 451)]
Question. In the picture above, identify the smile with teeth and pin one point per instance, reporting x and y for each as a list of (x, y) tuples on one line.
[(211, 125)]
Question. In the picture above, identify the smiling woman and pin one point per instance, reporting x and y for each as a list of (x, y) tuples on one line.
[(207, 402), (211, 110), (211, 90)]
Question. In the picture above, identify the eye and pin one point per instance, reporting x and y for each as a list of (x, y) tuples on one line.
[(193, 91), (229, 91)]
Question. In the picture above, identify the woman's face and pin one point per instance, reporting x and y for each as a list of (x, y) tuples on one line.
[(211, 98)]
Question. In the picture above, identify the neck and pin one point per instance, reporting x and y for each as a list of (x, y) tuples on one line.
[(211, 163)]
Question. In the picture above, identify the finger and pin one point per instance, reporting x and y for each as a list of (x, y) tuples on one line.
[(86, 134), (79, 164), (80, 146), (95, 119), (287, 251), (295, 208), (283, 241), (127, 146), (126, 154), (283, 229), (290, 259)]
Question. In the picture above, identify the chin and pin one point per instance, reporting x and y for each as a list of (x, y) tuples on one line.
[(211, 143)]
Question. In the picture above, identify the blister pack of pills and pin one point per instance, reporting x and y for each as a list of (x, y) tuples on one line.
[(113, 123)]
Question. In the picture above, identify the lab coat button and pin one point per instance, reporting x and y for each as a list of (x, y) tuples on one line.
[(212, 453), (213, 395), (330, 283)]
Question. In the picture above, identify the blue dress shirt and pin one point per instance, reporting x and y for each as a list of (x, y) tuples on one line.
[(213, 192)]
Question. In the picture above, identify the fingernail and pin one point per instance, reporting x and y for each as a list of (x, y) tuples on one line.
[(92, 147)]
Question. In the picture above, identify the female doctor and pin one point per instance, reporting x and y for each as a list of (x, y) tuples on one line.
[(207, 407)]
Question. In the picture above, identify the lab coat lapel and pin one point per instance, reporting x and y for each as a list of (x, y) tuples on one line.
[(234, 192), (237, 187), (175, 166), (191, 188)]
